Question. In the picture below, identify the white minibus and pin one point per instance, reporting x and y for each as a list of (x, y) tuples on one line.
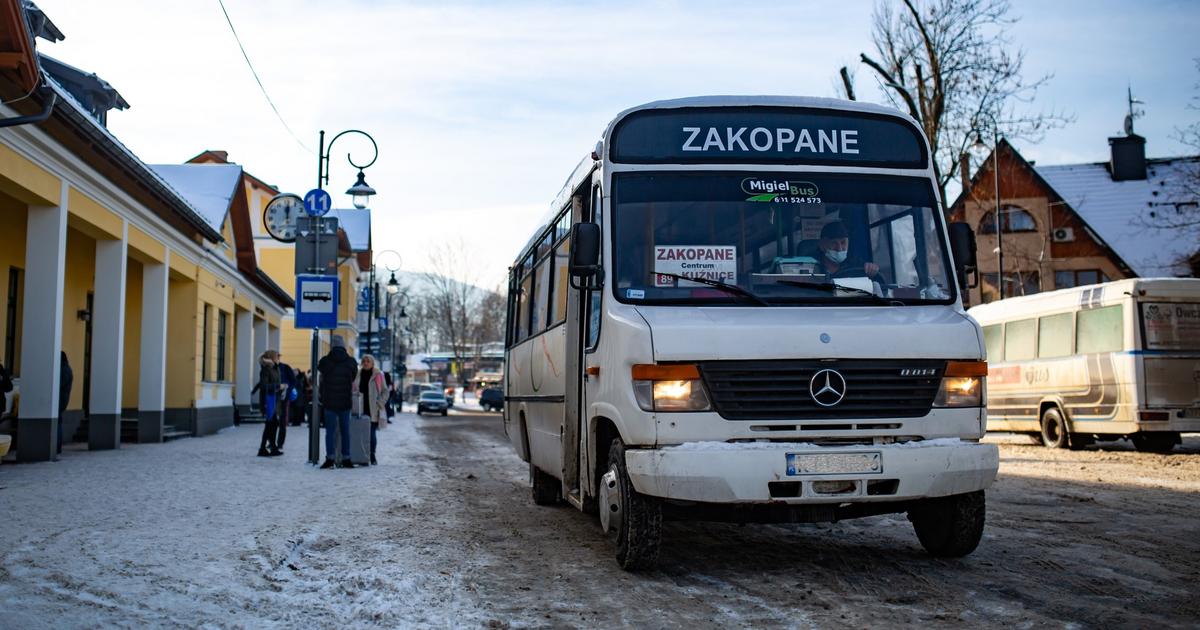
[(1099, 362), (746, 309)]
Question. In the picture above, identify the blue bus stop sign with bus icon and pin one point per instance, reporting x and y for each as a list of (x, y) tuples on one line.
[(317, 202), (316, 302)]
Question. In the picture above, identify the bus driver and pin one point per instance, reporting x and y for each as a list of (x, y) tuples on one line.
[(835, 259)]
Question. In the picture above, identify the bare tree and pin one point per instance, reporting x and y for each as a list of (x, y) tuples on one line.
[(952, 66), (1180, 209), (452, 297)]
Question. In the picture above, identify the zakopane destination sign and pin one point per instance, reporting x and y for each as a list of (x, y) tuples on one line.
[(785, 135)]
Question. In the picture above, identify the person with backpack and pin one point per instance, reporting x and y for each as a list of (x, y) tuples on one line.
[(268, 401)]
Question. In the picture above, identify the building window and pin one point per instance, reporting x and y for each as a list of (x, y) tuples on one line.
[(1078, 278), (1012, 219), (204, 371), (1015, 284), (222, 327), (12, 322)]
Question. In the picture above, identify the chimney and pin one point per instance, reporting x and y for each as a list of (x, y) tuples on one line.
[(221, 155), (1128, 157)]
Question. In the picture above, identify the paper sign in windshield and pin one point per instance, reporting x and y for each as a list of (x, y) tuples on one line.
[(710, 262)]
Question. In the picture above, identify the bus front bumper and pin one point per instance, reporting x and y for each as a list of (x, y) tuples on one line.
[(720, 472)]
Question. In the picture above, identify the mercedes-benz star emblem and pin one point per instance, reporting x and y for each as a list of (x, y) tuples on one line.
[(827, 387)]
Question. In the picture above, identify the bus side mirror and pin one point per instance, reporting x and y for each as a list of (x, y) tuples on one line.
[(962, 244), (585, 250)]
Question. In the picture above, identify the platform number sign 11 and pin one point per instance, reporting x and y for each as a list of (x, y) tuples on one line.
[(317, 202)]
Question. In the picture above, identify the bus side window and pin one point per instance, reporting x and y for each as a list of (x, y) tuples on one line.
[(1054, 336), (1020, 340), (1099, 330), (993, 339)]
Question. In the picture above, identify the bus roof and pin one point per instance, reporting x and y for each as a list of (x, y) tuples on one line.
[(589, 161), (1067, 299)]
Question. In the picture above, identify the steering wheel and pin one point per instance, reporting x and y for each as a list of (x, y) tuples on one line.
[(851, 272)]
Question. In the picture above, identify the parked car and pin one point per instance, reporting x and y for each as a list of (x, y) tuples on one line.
[(432, 402), (491, 399)]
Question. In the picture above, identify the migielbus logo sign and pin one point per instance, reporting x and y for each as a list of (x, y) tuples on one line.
[(761, 189)]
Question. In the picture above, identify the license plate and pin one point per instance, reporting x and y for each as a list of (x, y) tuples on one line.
[(1191, 412), (834, 463)]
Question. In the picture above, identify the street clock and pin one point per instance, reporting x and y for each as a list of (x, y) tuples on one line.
[(280, 216)]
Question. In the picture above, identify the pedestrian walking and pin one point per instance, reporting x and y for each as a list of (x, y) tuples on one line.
[(389, 406), (373, 388), (66, 378), (338, 371), (268, 401)]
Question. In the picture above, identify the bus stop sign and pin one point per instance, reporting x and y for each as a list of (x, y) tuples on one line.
[(316, 302)]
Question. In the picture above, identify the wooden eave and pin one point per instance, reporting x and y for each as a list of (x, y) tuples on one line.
[(18, 59)]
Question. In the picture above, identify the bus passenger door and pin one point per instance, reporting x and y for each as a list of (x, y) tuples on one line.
[(575, 414)]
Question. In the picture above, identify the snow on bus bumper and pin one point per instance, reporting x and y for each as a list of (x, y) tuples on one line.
[(755, 472)]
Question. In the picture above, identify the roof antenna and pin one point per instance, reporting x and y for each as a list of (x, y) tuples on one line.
[(1134, 113)]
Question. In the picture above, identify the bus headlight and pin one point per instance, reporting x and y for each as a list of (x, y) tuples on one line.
[(672, 387), (962, 385)]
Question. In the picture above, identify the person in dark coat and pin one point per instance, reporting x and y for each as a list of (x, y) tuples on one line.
[(338, 371), (268, 401), (287, 379), (66, 378), (6, 386), (296, 415)]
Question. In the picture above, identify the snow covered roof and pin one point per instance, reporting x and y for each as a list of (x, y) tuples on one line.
[(1120, 211), (357, 225), (209, 188)]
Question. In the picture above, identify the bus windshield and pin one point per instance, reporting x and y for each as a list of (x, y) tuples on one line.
[(780, 237)]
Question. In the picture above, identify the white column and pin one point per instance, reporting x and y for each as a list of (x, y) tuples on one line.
[(243, 351), (272, 337), (41, 334), (108, 344), (260, 343), (152, 369), (260, 337)]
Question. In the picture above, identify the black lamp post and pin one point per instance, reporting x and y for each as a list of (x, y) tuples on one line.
[(360, 193), (393, 289)]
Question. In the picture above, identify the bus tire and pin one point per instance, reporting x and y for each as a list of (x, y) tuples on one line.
[(1155, 441), (1054, 429), (950, 527), (546, 489), (637, 528)]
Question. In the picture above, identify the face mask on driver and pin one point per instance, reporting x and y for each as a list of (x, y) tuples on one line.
[(836, 255)]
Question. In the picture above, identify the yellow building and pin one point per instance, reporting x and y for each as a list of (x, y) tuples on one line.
[(278, 260), (153, 297)]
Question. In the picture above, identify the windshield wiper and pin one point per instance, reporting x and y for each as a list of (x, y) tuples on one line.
[(830, 287), (729, 288)]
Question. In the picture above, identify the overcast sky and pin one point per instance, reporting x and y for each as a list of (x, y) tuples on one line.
[(481, 109)]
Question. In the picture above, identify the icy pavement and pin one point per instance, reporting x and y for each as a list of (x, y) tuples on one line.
[(200, 533)]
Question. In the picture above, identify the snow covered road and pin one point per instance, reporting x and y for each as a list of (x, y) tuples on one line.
[(200, 533)]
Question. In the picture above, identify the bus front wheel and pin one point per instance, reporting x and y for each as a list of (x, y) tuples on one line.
[(1054, 429), (633, 520), (950, 527)]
